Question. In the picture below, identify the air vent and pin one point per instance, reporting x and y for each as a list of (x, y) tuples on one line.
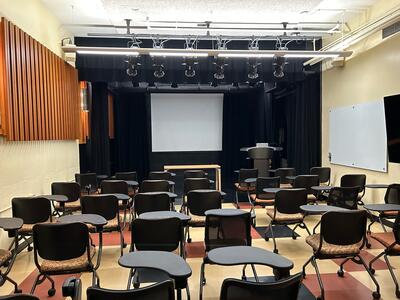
[(390, 30)]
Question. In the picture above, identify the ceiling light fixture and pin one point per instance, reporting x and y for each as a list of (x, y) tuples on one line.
[(179, 54), (244, 55), (97, 52)]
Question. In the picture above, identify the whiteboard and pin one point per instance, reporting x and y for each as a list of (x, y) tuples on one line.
[(357, 136), (186, 122)]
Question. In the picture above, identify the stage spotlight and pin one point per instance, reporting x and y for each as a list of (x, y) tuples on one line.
[(174, 85), (159, 70), (219, 69), (253, 70), (133, 64), (279, 65), (190, 64)]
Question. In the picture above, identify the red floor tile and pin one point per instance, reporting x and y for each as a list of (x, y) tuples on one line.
[(346, 288), (195, 250), (351, 266), (255, 234), (41, 290)]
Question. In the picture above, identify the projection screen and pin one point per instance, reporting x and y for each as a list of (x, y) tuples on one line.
[(186, 122)]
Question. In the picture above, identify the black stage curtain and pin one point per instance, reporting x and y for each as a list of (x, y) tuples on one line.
[(132, 132), (246, 119), (99, 143), (303, 116)]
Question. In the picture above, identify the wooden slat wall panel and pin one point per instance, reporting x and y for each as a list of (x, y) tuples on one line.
[(39, 92)]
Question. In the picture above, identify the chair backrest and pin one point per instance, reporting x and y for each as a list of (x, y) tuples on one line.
[(114, 187), (103, 205), (160, 175), (154, 186), (190, 184), (324, 173), (247, 173), (162, 290), (306, 182), (126, 176), (199, 201), (344, 227), (266, 182), (194, 174), (392, 194), (289, 201), (224, 231), (283, 172), (87, 181), (350, 180), (146, 202), (71, 190), (284, 289), (60, 241), (19, 297), (345, 197), (31, 210), (157, 234), (396, 229)]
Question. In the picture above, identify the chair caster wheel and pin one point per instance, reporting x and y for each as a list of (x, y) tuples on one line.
[(6, 264), (372, 271), (267, 239), (30, 248), (51, 292), (189, 240), (124, 245), (276, 251), (376, 295), (340, 273), (320, 298), (294, 237), (398, 294), (136, 285), (244, 278), (18, 291), (304, 274), (368, 245), (204, 281)]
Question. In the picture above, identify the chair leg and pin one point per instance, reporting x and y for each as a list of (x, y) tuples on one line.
[(95, 279), (38, 280), (369, 226), (303, 225), (187, 292), (376, 294), (397, 291), (273, 238), (244, 272), (383, 226), (321, 285), (305, 265), (374, 260), (237, 199), (6, 278), (202, 280), (122, 241), (129, 279), (189, 240), (255, 273)]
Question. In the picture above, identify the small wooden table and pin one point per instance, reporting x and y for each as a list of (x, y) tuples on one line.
[(199, 167)]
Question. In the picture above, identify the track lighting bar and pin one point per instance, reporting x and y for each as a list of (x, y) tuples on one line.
[(202, 52)]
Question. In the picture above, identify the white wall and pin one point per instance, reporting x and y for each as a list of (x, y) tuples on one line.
[(28, 168), (369, 76)]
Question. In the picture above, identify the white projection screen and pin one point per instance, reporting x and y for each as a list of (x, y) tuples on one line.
[(186, 122)]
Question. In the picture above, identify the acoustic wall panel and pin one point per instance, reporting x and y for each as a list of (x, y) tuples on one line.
[(39, 98)]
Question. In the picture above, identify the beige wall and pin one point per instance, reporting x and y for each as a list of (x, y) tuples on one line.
[(28, 168), (35, 19), (369, 76)]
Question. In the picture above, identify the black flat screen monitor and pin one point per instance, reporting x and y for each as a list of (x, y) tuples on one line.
[(392, 116)]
